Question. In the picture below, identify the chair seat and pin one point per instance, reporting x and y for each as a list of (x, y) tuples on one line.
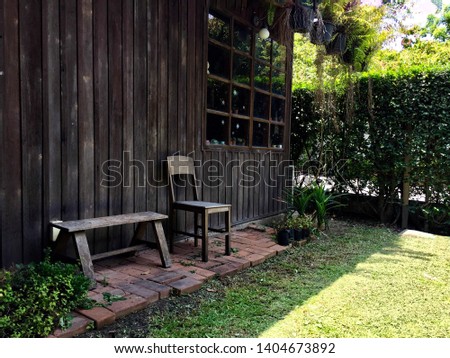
[(201, 205)]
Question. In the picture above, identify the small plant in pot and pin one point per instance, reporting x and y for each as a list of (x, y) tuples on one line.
[(306, 223), (283, 232)]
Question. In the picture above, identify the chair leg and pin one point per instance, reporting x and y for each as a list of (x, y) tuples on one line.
[(205, 236), (171, 229), (195, 229), (228, 234)]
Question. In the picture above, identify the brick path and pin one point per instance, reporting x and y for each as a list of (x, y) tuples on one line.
[(142, 280)]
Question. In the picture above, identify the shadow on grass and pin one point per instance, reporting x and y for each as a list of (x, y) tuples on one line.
[(252, 301)]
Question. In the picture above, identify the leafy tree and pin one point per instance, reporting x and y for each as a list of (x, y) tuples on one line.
[(438, 27)]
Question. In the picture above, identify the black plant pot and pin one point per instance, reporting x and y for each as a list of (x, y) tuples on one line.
[(322, 32), (306, 233), (298, 235), (283, 237), (337, 45), (330, 28), (302, 19)]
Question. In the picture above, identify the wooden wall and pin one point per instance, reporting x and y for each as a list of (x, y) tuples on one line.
[(83, 82)]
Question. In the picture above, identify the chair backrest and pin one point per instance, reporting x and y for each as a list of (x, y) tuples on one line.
[(181, 165)]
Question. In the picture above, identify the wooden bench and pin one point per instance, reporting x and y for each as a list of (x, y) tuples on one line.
[(77, 229)]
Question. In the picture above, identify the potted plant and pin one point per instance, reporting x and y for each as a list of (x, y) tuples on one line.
[(337, 45), (283, 231), (324, 201), (302, 17), (306, 223), (329, 14)]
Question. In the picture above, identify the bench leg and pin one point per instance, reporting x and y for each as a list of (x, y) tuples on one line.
[(61, 243), (162, 244), (139, 233), (84, 255)]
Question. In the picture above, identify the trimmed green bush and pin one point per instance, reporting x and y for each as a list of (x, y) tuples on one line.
[(36, 299), (400, 125)]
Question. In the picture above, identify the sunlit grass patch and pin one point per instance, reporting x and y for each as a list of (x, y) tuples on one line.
[(367, 282)]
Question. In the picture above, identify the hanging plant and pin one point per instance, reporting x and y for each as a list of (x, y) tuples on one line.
[(302, 18), (337, 45)]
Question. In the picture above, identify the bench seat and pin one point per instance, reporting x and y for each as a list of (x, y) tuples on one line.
[(76, 229)]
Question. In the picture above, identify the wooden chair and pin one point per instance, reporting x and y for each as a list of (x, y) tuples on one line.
[(181, 165)]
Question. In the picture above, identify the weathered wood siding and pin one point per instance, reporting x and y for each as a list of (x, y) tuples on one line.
[(84, 82)]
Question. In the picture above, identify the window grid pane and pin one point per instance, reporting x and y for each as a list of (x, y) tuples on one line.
[(241, 106)]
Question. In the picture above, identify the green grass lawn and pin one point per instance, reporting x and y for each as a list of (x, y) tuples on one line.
[(358, 282)]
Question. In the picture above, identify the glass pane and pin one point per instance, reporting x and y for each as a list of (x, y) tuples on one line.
[(277, 109), (216, 129), (278, 82), (279, 55), (242, 39), (276, 136), (241, 69), (218, 29), (218, 95), (263, 49), (262, 74), (260, 134), (219, 61), (261, 105), (241, 101), (239, 132)]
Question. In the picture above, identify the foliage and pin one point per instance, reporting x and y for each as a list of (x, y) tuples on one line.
[(396, 115), (324, 202), (39, 297), (312, 200), (438, 27), (423, 56)]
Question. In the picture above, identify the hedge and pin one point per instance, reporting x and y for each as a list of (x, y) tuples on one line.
[(376, 134)]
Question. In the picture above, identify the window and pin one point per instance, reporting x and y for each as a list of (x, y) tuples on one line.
[(246, 92)]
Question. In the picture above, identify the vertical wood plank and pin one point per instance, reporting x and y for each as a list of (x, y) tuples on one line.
[(101, 116), (115, 60), (51, 113), (130, 170), (2, 93), (151, 150), (11, 145), (163, 100), (69, 112), (31, 122), (140, 101), (191, 133), (85, 111)]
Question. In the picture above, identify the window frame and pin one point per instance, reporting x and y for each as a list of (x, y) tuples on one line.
[(250, 119)]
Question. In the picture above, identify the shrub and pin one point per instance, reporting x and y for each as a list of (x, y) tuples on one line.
[(36, 299)]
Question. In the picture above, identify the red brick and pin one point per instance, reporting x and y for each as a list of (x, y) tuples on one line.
[(167, 277), (150, 295), (100, 315), (255, 259), (162, 290), (262, 252), (186, 285), (244, 263), (79, 326), (207, 265), (280, 248), (130, 305), (207, 274), (226, 269)]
